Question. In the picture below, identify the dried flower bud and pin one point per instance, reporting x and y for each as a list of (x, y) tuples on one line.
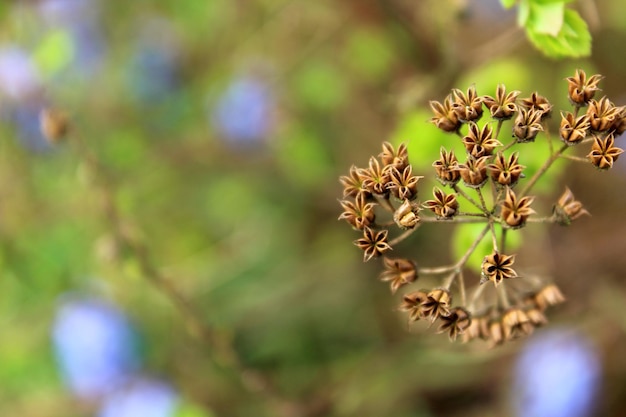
[(515, 211), (496, 267), (399, 272), (444, 205), (373, 243), (495, 333), (437, 304), (573, 130), (447, 167), (406, 216), (390, 158), (480, 142), (536, 317), (455, 323), (359, 214), (468, 107), (474, 172), (582, 89), (516, 324), (506, 172), (503, 106), (475, 329), (619, 125), (568, 209), (403, 185), (527, 125), (54, 124), (412, 303), (548, 296), (603, 152)]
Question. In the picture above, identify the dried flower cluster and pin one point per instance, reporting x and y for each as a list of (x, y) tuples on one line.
[(487, 186)]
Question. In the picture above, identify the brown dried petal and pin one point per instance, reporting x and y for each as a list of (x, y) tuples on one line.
[(437, 304), (497, 266), (373, 243), (515, 211), (506, 172), (398, 272), (603, 152), (573, 130), (455, 323)]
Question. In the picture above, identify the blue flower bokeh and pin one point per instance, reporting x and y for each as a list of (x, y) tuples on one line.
[(557, 375), (143, 398), (95, 346)]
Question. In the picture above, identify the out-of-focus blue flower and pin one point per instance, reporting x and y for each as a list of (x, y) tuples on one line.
[(153, 73), (243, 114), (95, 346), (19, 78), (557, 375), (141, 398)]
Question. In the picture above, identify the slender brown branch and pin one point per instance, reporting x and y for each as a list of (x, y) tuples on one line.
[(459, 191), (529, 185)]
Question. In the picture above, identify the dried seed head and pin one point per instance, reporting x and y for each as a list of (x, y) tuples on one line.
[(582, 89), (412, 304), (516, 324), (496, 267), (455, 323), (403, 184), (527, 125), (568, 209), (537, 103), (573, 130), (474, 171), (373, 243), (406, 216), (503, 106), (536, 317), (619, 126), (480, 142), (475, 329), (504, 171), (374, 179), (515, 211), (54, 125), (445, 118), (398, 272), (444, 205), (495, 333), (352, 183), (468, 107), (602, 114), (447, 167), (603, 152), (359, 214), (397, 159), (437, 304), (548, 296)]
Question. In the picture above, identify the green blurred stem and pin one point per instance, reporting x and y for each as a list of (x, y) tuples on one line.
[(459, 191), (503, 296), (575, 158), (553, 157)]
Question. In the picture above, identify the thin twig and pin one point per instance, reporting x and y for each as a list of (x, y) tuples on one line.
[(529, 185)]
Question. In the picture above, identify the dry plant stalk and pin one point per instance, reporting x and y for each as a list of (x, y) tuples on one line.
[(389, 186)]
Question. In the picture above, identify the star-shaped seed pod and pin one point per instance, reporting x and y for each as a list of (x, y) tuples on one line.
[(403, 184), (602, 114), (527, 125), (573, 130), (447, 167), (359, 214), (412, 304), (549, 295), (455, 323), (444, 205), (516, 324), (373, 243), (568, 209), (582, 89), (497, 267), (394, 159), (406, 216), (503, 106), (468, 107), (480, 142), (352, 183), (538, 103), (437, 304), (603, 152), (374, 178), (506, 172), (474, 171), (444, 116), (515, 211), (398, 272)]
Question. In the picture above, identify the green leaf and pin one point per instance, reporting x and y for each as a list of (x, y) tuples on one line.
[(573, 40), (54, 52), (551, 1), (507, 4), (546, 18), (523, 12)]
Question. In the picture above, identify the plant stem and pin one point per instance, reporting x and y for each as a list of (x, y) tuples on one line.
[(403, 236), (458, 190), (529, 185), (471, 249)]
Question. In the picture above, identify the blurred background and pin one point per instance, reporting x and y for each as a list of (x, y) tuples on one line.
[(223, 126)]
